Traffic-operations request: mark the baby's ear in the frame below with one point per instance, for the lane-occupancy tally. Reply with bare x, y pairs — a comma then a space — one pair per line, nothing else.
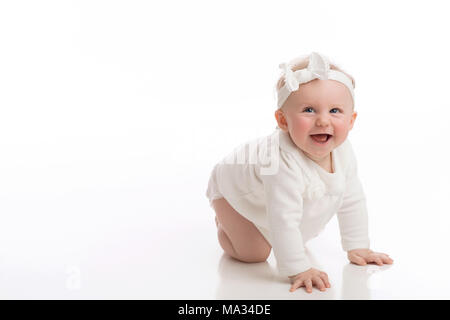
352, 120
281, 120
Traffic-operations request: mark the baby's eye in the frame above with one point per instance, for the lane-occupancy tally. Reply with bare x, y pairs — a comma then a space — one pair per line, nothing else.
335, 110
308, 109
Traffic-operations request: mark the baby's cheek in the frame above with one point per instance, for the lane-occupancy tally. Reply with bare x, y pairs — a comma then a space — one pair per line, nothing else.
301, 126
341, 129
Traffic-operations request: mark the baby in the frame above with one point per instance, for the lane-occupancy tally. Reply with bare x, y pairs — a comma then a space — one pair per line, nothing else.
280, 191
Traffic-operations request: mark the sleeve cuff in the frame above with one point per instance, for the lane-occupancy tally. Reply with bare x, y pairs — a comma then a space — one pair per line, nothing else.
347, 246
295, 268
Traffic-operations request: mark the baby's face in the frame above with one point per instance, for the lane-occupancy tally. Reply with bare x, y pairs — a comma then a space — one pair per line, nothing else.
318, 107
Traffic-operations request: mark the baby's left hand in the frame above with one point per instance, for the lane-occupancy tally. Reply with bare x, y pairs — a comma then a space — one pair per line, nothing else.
363, 256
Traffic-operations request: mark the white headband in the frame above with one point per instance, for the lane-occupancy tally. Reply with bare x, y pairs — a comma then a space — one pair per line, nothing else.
318, 68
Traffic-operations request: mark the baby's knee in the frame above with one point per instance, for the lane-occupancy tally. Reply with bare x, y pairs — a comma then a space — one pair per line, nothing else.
225, 242
248, 255
256, 256
256, 250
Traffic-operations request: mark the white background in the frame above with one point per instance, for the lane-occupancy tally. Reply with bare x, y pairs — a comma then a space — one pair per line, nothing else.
113, 114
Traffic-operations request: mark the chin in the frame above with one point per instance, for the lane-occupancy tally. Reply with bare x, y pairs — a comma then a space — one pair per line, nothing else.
316, 153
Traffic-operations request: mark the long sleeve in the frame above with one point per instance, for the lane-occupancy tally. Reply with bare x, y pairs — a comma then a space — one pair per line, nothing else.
284, 205
352, 215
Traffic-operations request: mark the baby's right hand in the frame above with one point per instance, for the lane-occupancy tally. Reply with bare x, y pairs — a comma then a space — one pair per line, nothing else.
308, 278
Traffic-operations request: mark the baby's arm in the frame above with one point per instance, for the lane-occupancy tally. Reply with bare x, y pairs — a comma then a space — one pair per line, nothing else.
352, 216
353, 222
284, 205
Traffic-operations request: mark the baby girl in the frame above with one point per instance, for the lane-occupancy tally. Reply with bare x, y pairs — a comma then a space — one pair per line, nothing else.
279, 191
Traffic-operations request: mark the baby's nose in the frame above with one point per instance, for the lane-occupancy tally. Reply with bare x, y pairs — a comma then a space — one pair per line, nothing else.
322, 120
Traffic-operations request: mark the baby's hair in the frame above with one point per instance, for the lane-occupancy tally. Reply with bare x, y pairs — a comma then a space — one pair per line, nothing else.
303, 63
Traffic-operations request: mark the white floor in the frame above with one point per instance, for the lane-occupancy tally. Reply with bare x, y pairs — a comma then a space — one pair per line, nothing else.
130, 243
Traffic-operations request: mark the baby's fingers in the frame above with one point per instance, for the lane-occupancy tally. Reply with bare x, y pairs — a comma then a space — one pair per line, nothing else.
376, 259
325, 279
319, 283
297, 284
308, 285
358, 260
387, 259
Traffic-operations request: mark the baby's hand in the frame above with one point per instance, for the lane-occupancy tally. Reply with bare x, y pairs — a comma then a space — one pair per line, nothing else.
363, 256
308, 278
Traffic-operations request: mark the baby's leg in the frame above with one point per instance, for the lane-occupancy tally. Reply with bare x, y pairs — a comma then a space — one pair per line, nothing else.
238, 236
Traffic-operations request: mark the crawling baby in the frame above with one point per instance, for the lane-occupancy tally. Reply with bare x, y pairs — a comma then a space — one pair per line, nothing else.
279, 191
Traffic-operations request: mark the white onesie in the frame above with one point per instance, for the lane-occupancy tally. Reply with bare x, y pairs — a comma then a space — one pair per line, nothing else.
292, 203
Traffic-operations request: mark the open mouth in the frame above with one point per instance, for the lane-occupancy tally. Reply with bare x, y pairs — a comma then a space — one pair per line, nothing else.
321, 138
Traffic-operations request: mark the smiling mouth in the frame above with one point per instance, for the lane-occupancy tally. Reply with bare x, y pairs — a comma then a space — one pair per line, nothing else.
321, 138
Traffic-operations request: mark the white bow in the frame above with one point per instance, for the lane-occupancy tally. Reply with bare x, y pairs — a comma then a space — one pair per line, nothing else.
317, 68
291, 81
